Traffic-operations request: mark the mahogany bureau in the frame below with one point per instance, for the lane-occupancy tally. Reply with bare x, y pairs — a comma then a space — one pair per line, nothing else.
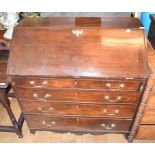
79, 75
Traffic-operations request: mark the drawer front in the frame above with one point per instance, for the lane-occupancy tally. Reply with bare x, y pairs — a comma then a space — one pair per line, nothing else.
110, 85
45, 83
118, 85
146, 132
148, 117
45, 95
78, 96
108, 97
124, 111
77, 124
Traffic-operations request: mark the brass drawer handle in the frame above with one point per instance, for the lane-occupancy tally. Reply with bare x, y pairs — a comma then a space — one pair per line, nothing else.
40, 86
108, 127
122, 85
115, 111
77, 32
45, 82
52, 123
45, 97
32, 82
45, 111
35, 95
109, 85
118, 98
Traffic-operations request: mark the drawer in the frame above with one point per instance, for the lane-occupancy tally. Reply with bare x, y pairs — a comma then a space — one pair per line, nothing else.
45, 83
62, 109
118, 85
148, 117
146, 132
77, 123
78, 96
108, 97
45, 94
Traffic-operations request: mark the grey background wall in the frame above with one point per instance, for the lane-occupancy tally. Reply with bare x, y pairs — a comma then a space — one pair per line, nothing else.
85, 14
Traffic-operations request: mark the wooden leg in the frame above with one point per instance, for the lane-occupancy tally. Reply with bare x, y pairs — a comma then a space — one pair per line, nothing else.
130, 139
32, 132
8, 89
21, 121
126, 136
2, 91
16, 125
8, 92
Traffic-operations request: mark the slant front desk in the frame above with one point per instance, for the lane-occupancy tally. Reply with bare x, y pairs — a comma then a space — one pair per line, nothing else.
79, 75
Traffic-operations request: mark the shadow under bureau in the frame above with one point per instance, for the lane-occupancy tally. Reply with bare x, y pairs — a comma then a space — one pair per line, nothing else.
80, 75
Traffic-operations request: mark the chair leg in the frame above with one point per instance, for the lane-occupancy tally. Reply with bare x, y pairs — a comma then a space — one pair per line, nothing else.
8, 89
6, 103
2, 91
20, 124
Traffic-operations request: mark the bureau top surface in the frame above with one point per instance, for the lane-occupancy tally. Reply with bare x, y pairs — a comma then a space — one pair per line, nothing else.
79, 47
64, 22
